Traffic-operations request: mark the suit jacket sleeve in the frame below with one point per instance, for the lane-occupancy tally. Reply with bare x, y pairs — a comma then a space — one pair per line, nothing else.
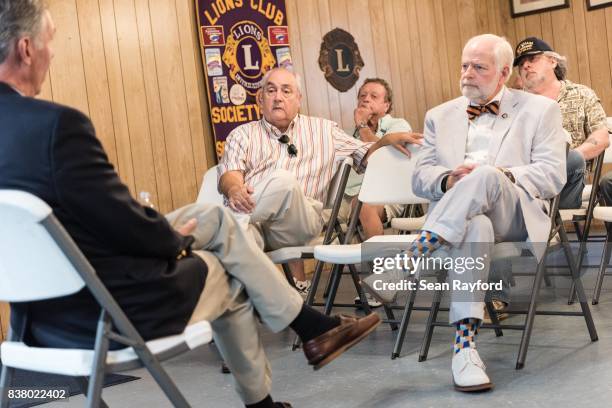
88, 187
428, 174
546, 175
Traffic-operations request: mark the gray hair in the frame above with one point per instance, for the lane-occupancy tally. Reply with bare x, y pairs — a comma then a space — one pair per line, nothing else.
266, 77
18, 18
561, 68
502, 51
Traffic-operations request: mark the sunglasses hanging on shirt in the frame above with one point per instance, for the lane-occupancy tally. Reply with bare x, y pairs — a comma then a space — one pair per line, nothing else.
291, 149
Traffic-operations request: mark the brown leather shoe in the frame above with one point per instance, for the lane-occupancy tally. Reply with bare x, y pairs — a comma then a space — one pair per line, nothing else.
329, 345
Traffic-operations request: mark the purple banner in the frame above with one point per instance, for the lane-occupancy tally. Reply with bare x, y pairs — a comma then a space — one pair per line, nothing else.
240, 40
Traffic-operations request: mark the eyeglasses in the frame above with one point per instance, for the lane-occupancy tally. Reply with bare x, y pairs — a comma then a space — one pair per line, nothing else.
291, 149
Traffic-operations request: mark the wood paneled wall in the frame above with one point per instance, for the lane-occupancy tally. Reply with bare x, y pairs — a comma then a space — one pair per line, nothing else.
4, 320
416, 45
134, 67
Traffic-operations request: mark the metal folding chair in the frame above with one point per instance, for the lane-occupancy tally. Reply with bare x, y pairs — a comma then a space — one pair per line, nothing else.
531, 312
50, 266
388, 180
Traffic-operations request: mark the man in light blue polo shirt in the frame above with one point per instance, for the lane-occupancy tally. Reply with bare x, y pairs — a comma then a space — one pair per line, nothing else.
373, 121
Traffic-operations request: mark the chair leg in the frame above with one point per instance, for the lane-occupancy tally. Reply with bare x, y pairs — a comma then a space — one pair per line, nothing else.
6, 378
526, 337
83, 385
494, 319
575, 271
98, 370
6, 375
390, 315
401, 334
335, 283
429, 327
362, 297
327, 286
605, 260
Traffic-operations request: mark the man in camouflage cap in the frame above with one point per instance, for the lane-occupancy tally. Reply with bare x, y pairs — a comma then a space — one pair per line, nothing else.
543, 72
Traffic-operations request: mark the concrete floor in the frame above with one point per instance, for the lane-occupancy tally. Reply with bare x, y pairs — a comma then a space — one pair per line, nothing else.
564, 368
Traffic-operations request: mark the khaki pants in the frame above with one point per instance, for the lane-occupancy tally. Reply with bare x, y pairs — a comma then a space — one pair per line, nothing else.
241, 279
283, 215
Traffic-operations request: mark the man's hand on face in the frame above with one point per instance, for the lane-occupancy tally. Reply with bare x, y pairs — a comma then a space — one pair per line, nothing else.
460, 172
362, 114
400, 139
240, 199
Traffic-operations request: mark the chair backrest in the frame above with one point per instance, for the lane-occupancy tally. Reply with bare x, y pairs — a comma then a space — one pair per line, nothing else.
33, 263
338, 183
388, 177
208, 192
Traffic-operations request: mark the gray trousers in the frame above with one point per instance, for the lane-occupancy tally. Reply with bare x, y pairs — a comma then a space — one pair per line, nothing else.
283, 215
481, 209
241, 279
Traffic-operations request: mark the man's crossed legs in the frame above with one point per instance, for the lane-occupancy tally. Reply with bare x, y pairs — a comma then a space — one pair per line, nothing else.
241, 280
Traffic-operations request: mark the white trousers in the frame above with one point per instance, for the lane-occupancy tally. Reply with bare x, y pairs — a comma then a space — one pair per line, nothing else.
481, 209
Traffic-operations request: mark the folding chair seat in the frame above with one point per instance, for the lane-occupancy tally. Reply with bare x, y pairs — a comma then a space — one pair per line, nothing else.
531, 312
53, 266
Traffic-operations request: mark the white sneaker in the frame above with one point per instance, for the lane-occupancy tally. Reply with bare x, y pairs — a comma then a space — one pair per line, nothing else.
303, 287
469, 371
371, 301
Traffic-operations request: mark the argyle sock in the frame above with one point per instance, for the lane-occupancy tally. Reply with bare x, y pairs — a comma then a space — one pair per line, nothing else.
424, 245
465, 336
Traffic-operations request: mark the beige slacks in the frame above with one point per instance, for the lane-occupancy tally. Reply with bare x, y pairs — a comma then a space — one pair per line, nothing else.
241, 279
283, 215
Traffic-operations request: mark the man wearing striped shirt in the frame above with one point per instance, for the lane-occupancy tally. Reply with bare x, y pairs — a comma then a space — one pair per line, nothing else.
278, 169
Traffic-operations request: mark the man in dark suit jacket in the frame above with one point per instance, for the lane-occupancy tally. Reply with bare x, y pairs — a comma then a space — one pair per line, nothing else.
51, 151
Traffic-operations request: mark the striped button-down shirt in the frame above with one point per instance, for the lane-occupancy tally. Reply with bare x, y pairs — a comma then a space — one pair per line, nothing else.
254, 148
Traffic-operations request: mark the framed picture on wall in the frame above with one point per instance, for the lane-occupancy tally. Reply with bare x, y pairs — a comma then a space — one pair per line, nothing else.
523, 7
595, 4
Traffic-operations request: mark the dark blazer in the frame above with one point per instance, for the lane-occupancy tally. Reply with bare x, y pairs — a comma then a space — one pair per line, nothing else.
52, 151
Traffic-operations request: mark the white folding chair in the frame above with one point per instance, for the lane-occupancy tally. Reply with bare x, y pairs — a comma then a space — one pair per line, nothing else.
51, 266
590, 199
387, 180
604, 214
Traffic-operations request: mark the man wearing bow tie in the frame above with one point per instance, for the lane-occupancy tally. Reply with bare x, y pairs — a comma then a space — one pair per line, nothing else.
490, 160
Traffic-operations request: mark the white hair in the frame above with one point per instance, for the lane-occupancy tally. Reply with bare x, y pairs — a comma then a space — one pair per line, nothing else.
561, 68
502, 50
298, 78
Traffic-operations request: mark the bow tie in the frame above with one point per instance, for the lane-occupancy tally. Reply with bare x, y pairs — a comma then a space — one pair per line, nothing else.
474, 111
